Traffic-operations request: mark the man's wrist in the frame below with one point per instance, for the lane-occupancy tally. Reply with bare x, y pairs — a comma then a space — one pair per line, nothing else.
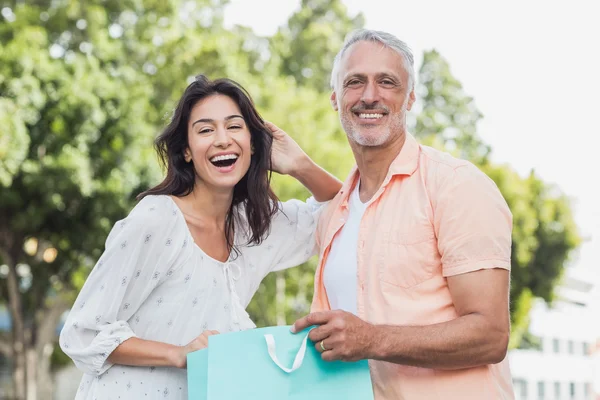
375, 349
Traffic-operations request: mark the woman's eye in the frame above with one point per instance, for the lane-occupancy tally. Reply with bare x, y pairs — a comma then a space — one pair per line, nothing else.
204, 130
235, 127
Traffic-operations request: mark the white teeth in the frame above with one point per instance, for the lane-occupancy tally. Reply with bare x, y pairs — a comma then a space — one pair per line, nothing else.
224, 157
370, 116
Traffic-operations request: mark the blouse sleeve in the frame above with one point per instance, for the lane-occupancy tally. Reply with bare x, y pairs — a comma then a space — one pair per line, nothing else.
141, 251
291, 240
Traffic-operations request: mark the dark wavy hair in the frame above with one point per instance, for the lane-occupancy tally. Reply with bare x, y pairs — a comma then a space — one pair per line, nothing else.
253, 192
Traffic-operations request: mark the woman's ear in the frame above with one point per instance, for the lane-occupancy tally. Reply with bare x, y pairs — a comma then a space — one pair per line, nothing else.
187, 155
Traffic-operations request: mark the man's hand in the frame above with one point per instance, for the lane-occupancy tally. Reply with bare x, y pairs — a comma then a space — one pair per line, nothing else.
339, 336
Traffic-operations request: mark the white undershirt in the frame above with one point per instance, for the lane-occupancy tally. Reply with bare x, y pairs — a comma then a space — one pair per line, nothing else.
341, 266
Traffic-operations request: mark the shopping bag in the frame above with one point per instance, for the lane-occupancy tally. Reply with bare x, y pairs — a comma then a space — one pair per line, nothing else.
197, 374
273, 364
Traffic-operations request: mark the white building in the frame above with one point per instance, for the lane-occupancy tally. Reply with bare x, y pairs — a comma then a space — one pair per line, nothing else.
564, 368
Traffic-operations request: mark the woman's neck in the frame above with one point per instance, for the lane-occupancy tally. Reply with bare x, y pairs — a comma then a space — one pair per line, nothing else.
209, 205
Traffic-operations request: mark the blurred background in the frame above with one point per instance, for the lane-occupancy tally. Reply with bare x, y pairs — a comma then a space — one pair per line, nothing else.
85, 86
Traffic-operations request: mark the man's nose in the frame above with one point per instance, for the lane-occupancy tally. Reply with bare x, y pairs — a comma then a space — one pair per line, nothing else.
370, 93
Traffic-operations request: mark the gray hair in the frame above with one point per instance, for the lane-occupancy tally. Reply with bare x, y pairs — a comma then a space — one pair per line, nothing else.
386, 39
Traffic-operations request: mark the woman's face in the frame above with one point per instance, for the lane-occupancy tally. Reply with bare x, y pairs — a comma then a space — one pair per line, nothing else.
219, 142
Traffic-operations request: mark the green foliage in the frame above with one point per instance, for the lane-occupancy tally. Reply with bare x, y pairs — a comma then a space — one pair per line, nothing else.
87, 146
447, 112
308, 43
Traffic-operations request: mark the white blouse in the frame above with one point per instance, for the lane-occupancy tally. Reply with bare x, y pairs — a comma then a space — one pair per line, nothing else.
155, 283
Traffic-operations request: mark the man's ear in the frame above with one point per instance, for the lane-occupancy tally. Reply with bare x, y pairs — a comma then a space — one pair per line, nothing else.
411, 99
333, 100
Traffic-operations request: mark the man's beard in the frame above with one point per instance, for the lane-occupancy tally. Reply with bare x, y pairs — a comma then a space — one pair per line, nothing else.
353, 131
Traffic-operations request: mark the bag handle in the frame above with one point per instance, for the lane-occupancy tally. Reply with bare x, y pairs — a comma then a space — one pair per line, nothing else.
273, 354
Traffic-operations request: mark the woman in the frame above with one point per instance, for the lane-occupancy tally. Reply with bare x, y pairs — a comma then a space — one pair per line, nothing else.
189, 257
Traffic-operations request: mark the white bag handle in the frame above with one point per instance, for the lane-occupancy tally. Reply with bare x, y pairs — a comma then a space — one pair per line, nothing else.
273, 354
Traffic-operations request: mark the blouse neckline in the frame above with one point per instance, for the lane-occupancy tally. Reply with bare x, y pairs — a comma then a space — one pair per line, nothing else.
189, 232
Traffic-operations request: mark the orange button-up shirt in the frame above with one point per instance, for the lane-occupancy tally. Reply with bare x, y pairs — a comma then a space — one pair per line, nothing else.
434, 216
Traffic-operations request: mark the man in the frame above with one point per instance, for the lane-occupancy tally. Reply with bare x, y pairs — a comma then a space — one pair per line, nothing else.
415, 249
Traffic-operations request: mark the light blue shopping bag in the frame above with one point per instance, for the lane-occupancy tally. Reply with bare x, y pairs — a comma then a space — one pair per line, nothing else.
197, 373
272, 364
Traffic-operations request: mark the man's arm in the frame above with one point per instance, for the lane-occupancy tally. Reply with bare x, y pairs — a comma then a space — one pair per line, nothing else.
479, 336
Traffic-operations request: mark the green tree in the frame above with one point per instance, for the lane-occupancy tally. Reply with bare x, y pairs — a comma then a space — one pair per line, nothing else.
445, 112
84, 88
308, 43
83, 144
544, 232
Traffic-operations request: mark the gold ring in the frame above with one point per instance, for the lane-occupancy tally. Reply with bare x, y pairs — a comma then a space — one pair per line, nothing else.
323, 346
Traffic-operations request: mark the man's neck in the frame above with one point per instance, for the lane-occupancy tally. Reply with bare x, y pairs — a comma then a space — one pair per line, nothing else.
374, 163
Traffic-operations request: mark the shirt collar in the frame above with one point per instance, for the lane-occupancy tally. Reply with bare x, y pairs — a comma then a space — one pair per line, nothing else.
407, 160
405, 163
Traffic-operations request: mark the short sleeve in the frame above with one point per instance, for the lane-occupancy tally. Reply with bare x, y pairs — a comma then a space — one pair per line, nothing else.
141, 251
291, 240
472, 221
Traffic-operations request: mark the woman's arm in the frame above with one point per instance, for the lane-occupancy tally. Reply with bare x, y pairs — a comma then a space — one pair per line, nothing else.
289, 159
319, 182
147, 353
134, 261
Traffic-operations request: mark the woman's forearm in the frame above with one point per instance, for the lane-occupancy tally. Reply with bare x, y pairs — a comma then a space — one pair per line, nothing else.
147, 353
319, 182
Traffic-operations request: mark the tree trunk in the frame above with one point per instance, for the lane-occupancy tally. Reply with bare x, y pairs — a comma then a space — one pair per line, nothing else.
5, 348
44, 346
44, 382
31, 374
18, 330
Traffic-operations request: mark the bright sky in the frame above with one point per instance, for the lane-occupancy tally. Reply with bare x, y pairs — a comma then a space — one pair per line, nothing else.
533, 68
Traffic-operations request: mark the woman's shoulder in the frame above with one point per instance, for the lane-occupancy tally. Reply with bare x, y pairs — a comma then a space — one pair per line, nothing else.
154, 210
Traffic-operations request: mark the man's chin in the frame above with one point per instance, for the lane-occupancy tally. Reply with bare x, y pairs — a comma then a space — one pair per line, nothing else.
372, 139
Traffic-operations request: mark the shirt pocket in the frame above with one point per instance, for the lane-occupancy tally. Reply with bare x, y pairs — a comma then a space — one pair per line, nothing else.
408, 258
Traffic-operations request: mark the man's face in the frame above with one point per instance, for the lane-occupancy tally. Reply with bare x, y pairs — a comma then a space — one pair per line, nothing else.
372, 94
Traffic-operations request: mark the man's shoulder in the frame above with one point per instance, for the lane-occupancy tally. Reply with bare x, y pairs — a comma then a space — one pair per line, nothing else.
444, 160
443, 170
440, 168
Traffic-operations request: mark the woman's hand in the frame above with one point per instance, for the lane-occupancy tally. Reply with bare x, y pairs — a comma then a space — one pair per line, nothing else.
286, 156
201, 342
